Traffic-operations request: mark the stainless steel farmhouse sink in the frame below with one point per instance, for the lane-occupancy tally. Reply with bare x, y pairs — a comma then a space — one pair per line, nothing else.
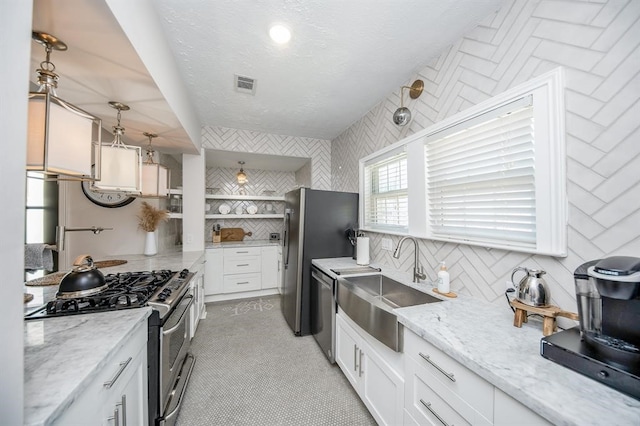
369, 300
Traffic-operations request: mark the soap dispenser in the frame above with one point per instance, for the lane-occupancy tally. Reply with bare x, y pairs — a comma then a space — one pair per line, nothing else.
443, 279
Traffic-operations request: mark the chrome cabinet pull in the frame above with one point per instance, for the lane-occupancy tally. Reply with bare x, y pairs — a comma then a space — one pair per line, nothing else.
242, 282
124, 410
111, 382
428, 359
242, 264
355, 357
428, 406
360, 367
239, 252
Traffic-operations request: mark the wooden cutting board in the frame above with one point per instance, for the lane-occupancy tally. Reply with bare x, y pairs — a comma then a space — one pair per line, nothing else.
233, 234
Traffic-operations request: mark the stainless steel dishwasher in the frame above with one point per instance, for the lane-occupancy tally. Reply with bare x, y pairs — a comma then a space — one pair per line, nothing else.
323, 312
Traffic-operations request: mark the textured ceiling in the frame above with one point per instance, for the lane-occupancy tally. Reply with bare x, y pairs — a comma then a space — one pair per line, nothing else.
344, 56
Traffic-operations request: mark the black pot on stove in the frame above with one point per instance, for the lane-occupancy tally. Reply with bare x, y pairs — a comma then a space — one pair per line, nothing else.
82, 281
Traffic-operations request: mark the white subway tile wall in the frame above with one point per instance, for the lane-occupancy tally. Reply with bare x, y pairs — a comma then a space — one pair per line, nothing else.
598, 43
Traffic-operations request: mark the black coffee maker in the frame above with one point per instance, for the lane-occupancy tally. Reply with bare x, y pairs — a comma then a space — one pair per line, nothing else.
606, 345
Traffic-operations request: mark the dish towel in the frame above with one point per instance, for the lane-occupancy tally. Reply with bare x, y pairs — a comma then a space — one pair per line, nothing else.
38, 256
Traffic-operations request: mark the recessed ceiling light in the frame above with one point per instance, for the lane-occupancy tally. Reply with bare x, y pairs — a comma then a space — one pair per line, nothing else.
280, 34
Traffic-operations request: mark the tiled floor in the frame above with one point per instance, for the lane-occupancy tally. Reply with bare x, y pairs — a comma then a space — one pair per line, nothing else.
251, 370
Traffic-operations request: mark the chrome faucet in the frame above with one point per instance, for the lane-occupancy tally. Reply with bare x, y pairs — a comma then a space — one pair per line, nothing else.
418, 271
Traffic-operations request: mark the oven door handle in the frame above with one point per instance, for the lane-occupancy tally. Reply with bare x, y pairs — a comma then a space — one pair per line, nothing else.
186, 309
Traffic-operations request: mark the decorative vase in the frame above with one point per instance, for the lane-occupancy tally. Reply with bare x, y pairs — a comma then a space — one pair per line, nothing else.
150, 244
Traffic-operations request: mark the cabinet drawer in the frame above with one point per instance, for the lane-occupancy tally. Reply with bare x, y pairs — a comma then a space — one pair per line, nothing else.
242, 264
241, 282
428, 406
452, 375
242, 251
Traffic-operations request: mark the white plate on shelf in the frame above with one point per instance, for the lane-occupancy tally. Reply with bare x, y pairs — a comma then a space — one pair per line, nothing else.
252, 209
224, 209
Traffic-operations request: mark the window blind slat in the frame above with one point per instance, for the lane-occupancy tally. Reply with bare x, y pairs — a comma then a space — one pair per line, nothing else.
386, 203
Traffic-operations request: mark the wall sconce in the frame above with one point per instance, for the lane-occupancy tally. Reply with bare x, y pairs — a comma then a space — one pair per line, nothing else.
121, 164
62, 140
402, 115
156, 178
241, 176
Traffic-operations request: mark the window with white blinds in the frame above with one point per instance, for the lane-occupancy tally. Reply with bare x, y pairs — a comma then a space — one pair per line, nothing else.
386, 202
480, 179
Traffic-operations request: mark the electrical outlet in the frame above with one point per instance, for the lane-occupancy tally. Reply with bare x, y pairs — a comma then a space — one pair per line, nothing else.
386, 244
508, 286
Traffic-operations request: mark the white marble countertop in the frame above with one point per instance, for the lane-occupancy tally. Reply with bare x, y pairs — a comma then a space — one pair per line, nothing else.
244, 243
481, 336
62, 356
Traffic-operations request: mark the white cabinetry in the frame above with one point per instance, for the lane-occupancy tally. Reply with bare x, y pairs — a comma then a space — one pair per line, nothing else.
506, 409
119, 393
270, 265
214, 272
372, 369
197, 289
237, 272
442, 391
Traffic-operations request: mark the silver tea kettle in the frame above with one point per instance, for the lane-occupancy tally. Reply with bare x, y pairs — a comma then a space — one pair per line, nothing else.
532, 288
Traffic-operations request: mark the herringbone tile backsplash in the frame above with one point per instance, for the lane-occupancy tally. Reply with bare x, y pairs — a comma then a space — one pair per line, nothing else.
260, 182
598, 44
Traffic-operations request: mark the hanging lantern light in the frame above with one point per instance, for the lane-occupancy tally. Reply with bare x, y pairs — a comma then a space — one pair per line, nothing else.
241, 176
63, 141
156, 178
121, 164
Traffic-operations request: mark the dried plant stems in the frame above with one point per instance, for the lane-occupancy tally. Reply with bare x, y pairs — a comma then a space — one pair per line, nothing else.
150, 217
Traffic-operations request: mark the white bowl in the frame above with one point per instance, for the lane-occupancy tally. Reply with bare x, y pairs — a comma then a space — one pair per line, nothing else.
224, 209
252, 209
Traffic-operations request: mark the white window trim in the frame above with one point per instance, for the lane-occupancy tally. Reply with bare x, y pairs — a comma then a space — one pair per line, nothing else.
548, 99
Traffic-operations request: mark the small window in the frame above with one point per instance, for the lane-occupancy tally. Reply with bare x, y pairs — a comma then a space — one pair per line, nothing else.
386, 202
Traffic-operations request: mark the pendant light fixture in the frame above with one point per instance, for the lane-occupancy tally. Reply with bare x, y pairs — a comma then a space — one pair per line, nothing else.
121, 164
63, 141
402, 116
155, 177
241, 176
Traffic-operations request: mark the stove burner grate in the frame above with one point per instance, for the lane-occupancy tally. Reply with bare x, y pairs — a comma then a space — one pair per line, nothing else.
124, 290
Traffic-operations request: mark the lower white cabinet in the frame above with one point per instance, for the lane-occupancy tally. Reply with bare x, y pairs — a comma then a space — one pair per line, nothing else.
377, 382
506, 409
197, 289
442, 391
118, 396
241, 271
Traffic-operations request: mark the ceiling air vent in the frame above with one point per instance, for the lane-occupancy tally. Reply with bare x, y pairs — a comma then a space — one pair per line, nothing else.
245, 84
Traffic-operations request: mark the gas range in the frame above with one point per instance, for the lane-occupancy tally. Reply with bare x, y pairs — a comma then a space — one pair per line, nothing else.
161, 290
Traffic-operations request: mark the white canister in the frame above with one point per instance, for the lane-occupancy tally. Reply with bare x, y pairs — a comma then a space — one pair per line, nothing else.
362, 251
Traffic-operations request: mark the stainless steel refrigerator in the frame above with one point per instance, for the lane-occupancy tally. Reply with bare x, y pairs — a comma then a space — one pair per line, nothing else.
314, 228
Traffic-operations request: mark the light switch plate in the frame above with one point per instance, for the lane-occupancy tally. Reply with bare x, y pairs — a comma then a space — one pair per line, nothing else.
386, 244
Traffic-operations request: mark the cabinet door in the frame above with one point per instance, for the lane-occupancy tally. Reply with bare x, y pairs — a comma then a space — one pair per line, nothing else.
129, 400
269, 267
348, 353
506, 409
382, 389
214, 272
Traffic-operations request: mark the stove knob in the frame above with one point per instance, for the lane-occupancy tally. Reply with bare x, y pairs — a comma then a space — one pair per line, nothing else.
162, 297
603, 374
184, 273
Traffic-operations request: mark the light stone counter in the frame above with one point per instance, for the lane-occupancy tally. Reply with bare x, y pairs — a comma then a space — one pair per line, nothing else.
245, 243
63, 356
481, 336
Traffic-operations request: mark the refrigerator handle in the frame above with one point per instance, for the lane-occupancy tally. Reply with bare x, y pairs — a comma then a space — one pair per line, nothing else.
287, 232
